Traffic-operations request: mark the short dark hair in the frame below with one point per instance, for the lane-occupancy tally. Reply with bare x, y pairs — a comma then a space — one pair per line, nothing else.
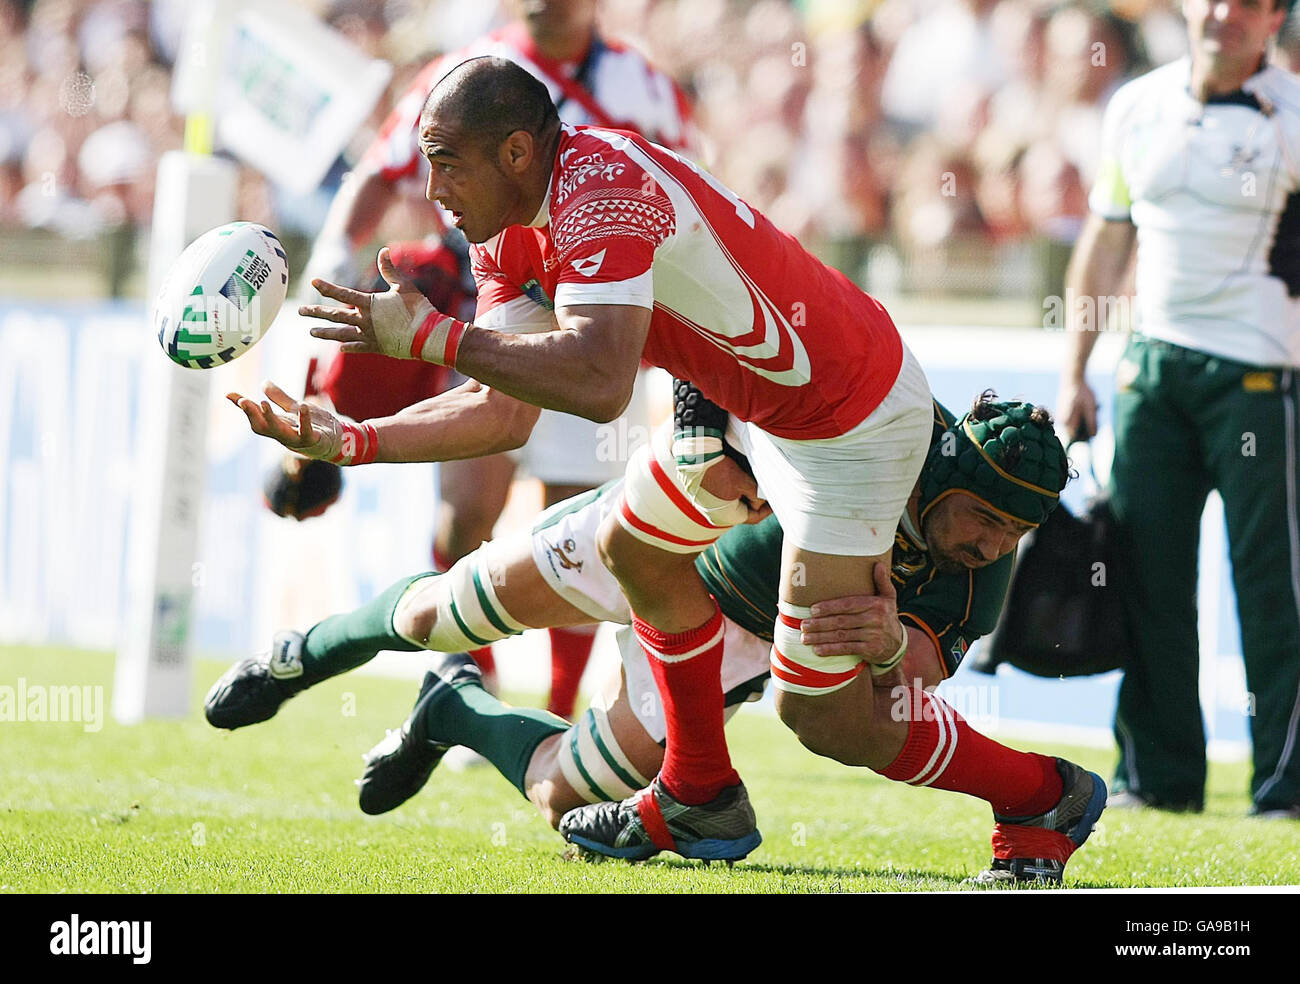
490, 98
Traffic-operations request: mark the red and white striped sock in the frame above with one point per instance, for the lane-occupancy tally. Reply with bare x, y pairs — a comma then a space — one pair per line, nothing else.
687, 667
942, 750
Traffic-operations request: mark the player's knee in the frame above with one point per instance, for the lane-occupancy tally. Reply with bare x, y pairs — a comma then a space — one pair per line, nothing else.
818, 728
549, 802
416, 615
616, 549
808, 685
411, 622
796, 713
455, 611
634, 563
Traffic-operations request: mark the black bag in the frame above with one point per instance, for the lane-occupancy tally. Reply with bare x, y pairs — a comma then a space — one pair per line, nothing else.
1065, 613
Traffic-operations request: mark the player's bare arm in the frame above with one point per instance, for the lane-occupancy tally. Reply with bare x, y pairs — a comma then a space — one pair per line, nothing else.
1097, 269
586, 367
467, 422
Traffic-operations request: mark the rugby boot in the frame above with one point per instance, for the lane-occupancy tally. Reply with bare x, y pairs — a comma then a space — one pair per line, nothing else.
253, 689
1035, 849
724, 829
398, 767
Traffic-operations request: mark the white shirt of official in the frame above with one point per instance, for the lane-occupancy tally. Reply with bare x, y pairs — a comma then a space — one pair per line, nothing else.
1209, 186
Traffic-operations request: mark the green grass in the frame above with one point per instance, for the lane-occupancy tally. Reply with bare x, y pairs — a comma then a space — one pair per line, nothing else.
179, 807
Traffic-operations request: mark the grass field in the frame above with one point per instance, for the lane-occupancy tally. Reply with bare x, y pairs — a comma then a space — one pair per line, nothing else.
179, 807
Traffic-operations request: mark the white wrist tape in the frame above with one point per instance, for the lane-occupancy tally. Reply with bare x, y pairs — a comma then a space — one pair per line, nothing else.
394, 326
343, 442
695, 451
880, 669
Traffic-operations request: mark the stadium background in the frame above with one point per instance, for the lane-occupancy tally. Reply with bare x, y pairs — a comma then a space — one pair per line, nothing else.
938, 152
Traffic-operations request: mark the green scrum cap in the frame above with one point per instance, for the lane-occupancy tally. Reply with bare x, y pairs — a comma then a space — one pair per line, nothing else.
998, 454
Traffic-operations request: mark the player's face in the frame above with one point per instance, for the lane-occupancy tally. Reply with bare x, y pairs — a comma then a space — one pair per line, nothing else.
467, 179
962, 533
1233, 28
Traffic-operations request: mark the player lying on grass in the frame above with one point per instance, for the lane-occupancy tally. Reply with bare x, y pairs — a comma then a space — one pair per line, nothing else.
951, 566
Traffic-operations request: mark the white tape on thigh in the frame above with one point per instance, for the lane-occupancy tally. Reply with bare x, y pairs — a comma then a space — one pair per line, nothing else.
796, 668
469, 614
592, 762
655, 508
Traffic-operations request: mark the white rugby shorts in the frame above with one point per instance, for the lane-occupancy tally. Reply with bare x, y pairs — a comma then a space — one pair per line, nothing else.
565, 449
845, 495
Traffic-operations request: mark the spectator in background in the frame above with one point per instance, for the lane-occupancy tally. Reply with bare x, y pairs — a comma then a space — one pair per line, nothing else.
937, 200
812, 109
115, 167
949, 51
1087, 59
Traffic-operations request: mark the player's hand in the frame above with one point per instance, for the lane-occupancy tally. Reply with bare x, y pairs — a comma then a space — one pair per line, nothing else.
1077, 410
380, 322
309, 430
731, 485
860, 625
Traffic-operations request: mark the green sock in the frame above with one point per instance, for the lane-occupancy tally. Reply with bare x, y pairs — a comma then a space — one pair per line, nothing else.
343, 642
506, 736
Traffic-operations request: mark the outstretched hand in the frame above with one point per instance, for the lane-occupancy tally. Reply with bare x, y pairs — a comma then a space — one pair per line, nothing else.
383, 322
309, 430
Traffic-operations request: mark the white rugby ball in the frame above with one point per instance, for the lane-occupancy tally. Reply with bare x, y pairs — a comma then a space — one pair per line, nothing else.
221, 295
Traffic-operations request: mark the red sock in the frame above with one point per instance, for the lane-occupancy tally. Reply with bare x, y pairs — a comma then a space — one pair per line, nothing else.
945, 752
687, 667
441, 562
570, 650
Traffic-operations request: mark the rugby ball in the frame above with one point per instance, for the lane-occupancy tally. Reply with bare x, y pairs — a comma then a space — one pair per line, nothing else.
221, 295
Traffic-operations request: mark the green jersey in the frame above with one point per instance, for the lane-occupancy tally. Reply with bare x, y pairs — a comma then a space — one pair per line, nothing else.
743, 569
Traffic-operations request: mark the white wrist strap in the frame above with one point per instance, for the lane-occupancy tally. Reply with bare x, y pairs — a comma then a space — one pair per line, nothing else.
880, 669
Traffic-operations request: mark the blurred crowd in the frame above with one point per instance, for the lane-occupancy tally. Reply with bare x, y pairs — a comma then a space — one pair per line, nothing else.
916, 121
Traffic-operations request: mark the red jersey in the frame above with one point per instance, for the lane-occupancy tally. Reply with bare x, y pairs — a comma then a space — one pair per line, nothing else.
761, 326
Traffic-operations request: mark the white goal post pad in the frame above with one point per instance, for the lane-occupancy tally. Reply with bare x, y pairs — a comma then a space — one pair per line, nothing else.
153, 670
